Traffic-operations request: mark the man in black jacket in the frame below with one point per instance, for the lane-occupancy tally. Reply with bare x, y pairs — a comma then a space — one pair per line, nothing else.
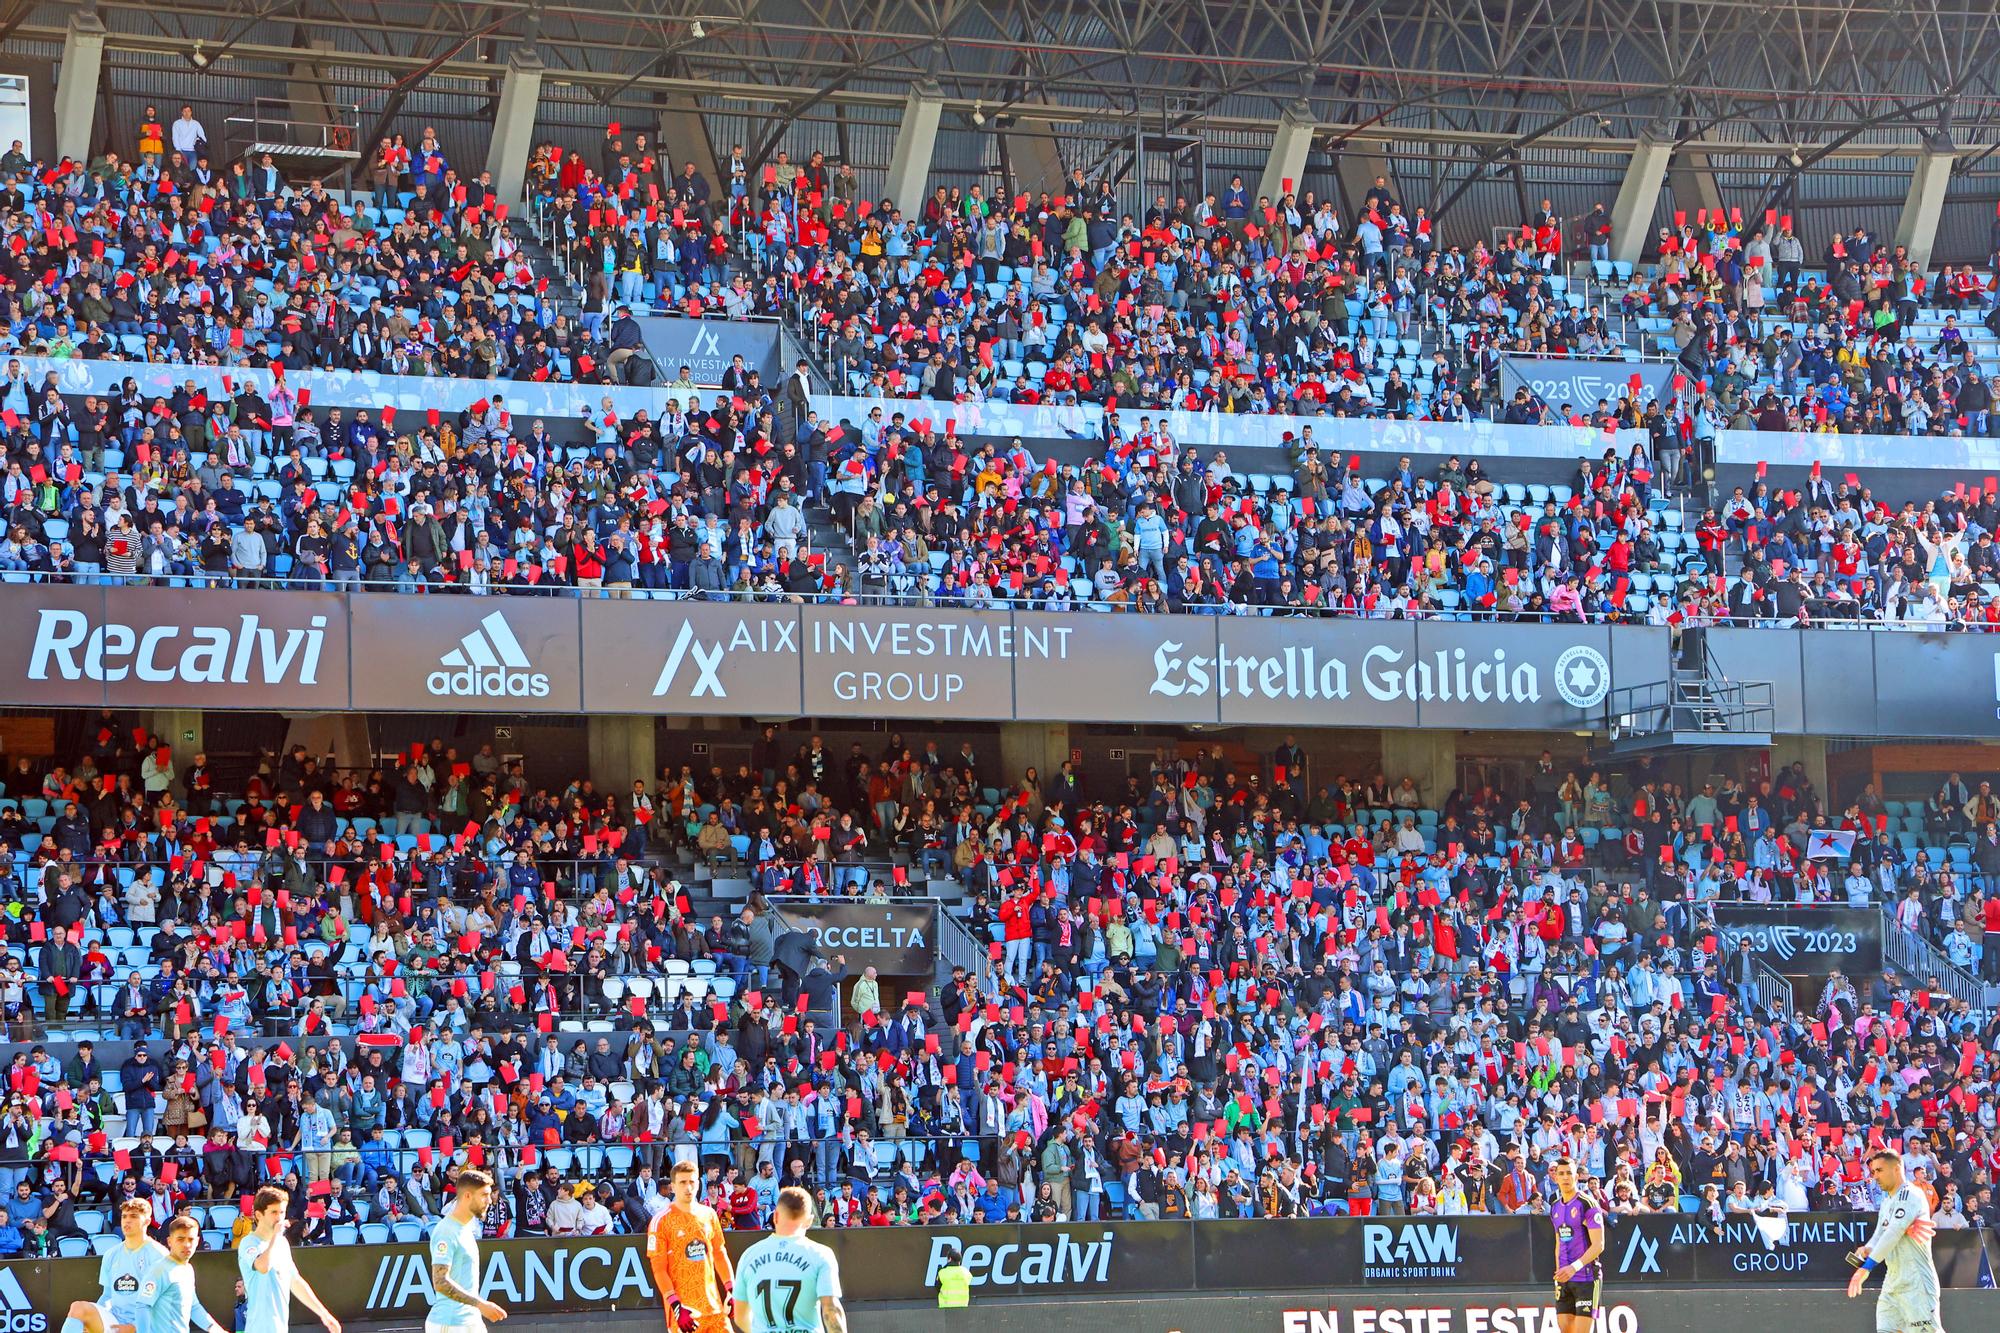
72, 830
141, 1079
626, 341
316, 823
820, 984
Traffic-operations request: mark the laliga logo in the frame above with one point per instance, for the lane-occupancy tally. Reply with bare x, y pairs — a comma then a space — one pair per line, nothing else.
488, 664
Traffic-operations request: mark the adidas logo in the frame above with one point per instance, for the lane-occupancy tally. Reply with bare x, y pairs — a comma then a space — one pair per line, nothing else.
488, 664
17, 1312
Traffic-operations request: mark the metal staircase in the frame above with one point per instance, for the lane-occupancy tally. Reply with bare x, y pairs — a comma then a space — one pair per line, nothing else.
1697, 705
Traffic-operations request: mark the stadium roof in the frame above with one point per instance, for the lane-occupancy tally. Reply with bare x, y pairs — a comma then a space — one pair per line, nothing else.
1495, 75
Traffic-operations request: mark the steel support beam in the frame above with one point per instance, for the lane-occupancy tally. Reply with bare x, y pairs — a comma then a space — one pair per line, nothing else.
514, 127
1923, 208
1078, 81
916, 144
1638, 198
1291, 146
76, 85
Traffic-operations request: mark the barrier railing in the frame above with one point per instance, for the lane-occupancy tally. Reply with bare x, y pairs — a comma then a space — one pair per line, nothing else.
1841, 453
1221, 430
1774, 987
524, 399
317, 144
999, 599
959, 947
1919, 960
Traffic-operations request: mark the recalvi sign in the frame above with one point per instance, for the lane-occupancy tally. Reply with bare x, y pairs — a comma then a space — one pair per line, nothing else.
171, 647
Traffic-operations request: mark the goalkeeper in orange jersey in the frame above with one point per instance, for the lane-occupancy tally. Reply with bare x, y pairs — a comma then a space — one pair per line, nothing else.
690, 1263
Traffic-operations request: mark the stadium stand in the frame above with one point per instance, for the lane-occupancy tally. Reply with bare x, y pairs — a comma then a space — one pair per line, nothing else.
1216, 996
1029, 301
1212, 995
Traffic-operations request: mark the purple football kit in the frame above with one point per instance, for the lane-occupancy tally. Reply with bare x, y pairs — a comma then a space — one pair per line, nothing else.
1574, 1220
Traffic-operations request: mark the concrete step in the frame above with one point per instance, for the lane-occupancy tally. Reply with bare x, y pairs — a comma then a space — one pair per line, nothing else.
732, 887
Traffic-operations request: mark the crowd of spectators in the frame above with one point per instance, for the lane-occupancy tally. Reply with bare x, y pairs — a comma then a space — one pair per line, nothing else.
1281, 306
1227, 990
711, 494
1862, 341
709, 498
1151, 526
176, 257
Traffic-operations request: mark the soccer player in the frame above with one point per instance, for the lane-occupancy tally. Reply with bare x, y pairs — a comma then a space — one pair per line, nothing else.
1901, 1247
174, 1307
457, 1307
690, 1263
790, 1283
124, 1274
270, 1278
1579, 1223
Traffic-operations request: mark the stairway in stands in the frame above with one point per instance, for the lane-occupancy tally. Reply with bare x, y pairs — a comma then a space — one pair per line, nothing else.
543, 262
724, 888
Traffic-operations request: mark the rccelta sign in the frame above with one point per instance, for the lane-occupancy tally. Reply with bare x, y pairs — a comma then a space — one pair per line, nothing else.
897, 940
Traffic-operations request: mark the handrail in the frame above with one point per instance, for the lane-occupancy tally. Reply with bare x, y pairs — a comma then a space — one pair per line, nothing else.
1279, 432
523, 399
1775, 986
996, 600
1912, 953
1726, 707
959, 947
1743, 705
335, 137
